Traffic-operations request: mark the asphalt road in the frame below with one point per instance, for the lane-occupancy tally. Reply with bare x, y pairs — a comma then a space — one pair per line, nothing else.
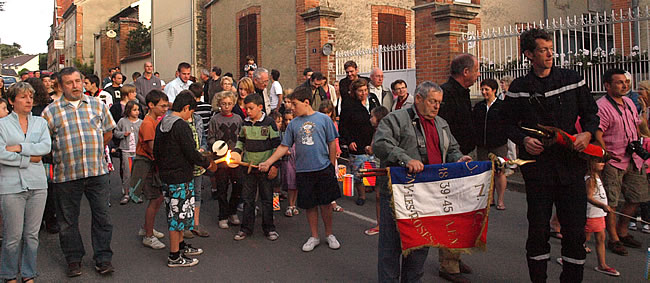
256, 259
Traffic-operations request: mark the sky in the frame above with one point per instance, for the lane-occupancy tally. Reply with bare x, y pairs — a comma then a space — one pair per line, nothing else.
36, 18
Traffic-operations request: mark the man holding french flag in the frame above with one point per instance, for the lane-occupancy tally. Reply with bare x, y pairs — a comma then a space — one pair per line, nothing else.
411, 138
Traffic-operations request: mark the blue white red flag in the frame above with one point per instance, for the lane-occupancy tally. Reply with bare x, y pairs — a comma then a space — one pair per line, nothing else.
446, 205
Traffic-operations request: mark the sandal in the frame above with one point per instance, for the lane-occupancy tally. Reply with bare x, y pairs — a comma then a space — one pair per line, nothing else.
295, 211
125, 199
609, 271
587, 249
289, 212
337, 208
501, 207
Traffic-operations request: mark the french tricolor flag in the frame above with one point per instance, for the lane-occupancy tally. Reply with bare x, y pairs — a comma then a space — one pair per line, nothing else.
446, 205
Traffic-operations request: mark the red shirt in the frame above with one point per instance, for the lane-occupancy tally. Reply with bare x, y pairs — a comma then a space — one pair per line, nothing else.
399, 104
146, 133
433, 141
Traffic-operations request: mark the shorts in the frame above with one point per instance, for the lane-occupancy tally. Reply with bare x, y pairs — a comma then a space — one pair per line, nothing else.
179, 202
357, 162
317, 188
631, 183
144, 179
595, 225
482, 152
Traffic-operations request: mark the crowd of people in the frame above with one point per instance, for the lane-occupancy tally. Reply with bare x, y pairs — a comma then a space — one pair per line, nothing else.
64, 130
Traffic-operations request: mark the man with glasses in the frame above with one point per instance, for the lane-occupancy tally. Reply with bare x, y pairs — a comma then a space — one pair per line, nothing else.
551, 96
402, 97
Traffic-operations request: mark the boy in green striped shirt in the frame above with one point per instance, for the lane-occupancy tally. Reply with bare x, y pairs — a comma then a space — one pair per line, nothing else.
258, 139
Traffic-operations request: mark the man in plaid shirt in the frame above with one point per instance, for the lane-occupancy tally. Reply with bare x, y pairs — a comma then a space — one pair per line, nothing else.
80, 126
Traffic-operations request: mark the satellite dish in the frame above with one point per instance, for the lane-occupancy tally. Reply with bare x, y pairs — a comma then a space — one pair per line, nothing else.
111, 33
220, 148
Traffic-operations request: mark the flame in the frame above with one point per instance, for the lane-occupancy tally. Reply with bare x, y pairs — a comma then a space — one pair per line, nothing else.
228, 158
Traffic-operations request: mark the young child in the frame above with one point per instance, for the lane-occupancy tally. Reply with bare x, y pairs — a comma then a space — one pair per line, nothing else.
257, 140
276, 184
597, 209
3, 108
289, 170
144, 176
128, 94
327, 108
376, 115
196, 124
225, 126
314, 135
250, 64
127, 132
176, 155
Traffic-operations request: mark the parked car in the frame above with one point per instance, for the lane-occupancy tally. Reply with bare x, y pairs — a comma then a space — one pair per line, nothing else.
9, 81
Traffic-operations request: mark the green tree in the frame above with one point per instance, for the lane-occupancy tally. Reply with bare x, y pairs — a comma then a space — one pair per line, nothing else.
9, 51
85, 68
139, 40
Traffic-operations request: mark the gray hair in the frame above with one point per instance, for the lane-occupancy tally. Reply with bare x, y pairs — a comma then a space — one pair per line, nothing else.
258, 73
426, 87
205, 72
17, 88
507, 79
461, 62
374, 71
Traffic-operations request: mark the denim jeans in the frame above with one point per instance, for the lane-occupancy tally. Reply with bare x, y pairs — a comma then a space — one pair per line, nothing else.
253, 183
390, 250
21, 213
68, 198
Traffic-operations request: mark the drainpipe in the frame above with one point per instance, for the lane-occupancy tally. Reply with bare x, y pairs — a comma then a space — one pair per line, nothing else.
546, 10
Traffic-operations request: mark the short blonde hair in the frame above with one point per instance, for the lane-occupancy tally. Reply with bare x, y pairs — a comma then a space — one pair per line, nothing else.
126, 89
226, 79
216, 101
644, 85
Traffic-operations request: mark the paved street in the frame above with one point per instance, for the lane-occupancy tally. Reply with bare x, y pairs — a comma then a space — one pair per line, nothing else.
256, 259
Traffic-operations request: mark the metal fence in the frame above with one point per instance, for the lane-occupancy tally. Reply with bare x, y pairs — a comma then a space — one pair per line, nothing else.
388, 58
590, 44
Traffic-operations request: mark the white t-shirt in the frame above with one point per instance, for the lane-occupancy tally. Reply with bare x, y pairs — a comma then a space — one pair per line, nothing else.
599, 195
276, 91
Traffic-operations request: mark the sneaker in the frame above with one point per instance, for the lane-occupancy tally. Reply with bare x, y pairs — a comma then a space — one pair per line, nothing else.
629, 241
182, 261
332, 242
153, 243
223, 224
200, 231
156, 234
272, 236
289, 212
646, 229
632, 226
240, 236
372, 231
74, 269
310, 244
189, 250
187, 234
234, 219
609, 271
617, 248
104, 268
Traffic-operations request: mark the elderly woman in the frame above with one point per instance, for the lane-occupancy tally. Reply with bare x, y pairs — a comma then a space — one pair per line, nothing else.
490, 136
24, 139
355, 129
244, 88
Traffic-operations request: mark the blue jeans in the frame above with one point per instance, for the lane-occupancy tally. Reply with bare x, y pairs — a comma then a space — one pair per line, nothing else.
252, 183
22, 214
390, 250
68, 199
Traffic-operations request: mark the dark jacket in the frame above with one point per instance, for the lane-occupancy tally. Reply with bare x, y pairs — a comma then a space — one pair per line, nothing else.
175, 151
354, 123
457, 111
315, 100
488, 124
556, 100
344, 86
